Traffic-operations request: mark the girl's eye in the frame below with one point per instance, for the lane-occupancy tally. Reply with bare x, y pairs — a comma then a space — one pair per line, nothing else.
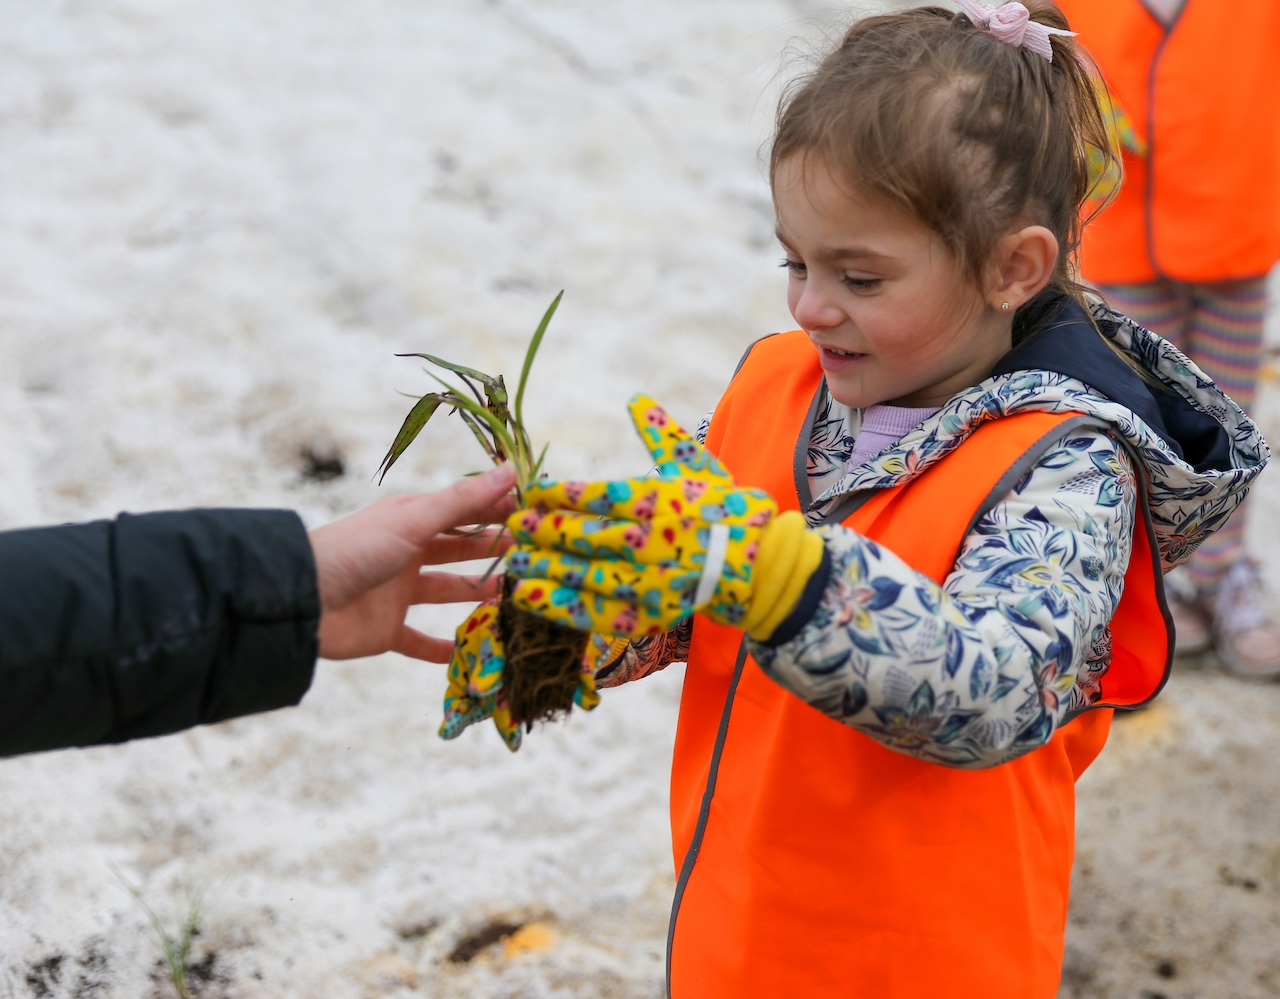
795, 267
862, 284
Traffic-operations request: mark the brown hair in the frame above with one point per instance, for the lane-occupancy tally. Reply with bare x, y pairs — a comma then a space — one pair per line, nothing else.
970, 134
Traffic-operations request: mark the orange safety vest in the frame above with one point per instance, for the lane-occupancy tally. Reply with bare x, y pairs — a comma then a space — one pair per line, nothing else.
1204, 204
812, 860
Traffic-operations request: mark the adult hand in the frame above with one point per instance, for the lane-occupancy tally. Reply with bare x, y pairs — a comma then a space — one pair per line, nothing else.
369, 565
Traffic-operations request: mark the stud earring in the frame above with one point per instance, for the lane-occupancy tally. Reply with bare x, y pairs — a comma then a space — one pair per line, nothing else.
1004, 306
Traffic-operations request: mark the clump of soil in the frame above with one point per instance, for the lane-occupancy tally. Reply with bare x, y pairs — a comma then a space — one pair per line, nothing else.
543, 662
473, 943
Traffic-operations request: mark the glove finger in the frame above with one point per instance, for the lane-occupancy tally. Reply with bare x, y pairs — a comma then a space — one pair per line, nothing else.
630, 499
597, 498
586, 696
594, 539
677, 454
507, 727
674, 450
461, 712
668, 542
475, 678
478, 655
593, 612
483, 620
605, 576
564, 530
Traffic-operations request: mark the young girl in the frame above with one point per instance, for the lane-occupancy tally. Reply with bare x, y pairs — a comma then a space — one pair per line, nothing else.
927, 556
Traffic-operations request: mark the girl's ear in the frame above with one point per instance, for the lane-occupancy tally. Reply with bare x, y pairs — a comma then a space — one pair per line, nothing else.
1025, 262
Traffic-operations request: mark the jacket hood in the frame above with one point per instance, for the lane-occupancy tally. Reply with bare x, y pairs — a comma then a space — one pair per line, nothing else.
1195, 448
1066, 342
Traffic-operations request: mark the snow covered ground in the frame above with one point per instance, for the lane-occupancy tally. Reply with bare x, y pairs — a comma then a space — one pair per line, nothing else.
218, 225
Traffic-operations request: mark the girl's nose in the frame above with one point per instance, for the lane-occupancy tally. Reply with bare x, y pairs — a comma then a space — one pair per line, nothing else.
813, 307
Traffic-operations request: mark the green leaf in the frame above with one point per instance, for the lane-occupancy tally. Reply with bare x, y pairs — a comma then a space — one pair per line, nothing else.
496, 427
422, 411
474, 426
537, 466
534, 344
525, 450
488, 381
496, 399
477, 409
480, 376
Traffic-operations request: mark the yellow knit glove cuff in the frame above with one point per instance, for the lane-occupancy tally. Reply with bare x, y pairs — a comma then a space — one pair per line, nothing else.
788, 556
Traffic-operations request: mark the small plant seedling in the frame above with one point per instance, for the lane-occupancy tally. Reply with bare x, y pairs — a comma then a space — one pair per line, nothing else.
483, 407
542, 659
175, 947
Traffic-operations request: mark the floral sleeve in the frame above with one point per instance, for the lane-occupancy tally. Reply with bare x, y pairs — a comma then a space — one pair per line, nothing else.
985, 667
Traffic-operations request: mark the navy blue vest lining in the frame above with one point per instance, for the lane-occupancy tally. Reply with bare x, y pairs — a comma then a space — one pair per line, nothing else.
1060, 337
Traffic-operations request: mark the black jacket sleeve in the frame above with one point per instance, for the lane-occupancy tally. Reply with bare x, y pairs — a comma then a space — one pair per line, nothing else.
149, 624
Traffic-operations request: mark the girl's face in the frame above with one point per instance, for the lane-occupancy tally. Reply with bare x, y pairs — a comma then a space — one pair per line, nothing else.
892, 316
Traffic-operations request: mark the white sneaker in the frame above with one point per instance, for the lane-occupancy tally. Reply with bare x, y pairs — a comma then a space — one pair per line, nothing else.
1248, 636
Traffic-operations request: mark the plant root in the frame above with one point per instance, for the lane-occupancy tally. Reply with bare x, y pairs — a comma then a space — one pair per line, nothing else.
543, 662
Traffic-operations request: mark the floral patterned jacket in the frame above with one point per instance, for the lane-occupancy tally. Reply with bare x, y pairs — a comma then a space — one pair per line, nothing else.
1015, 642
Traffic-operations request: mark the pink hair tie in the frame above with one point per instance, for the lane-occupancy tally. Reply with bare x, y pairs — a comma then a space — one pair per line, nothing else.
1012, 25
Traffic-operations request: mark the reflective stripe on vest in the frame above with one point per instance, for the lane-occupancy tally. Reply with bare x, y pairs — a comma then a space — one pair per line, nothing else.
815, 862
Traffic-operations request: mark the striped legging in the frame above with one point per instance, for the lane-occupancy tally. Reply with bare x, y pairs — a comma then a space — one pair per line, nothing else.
1219, 326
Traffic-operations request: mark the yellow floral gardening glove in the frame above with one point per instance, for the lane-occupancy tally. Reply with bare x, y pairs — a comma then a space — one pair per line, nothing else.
1105, 175
632, 557
475, 678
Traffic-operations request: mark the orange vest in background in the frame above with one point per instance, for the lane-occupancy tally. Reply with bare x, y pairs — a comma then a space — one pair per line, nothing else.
1203, 205
814, 862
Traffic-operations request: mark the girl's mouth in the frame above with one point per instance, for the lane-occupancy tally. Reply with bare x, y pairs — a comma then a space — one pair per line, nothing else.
833, 357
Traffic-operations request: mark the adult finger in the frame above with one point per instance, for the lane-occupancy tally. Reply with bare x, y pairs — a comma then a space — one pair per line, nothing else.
417, 645
454, 588
485, 543
458, 504
497, 512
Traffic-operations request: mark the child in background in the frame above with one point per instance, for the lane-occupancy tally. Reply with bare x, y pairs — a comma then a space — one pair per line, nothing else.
926, 556
1186, 245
